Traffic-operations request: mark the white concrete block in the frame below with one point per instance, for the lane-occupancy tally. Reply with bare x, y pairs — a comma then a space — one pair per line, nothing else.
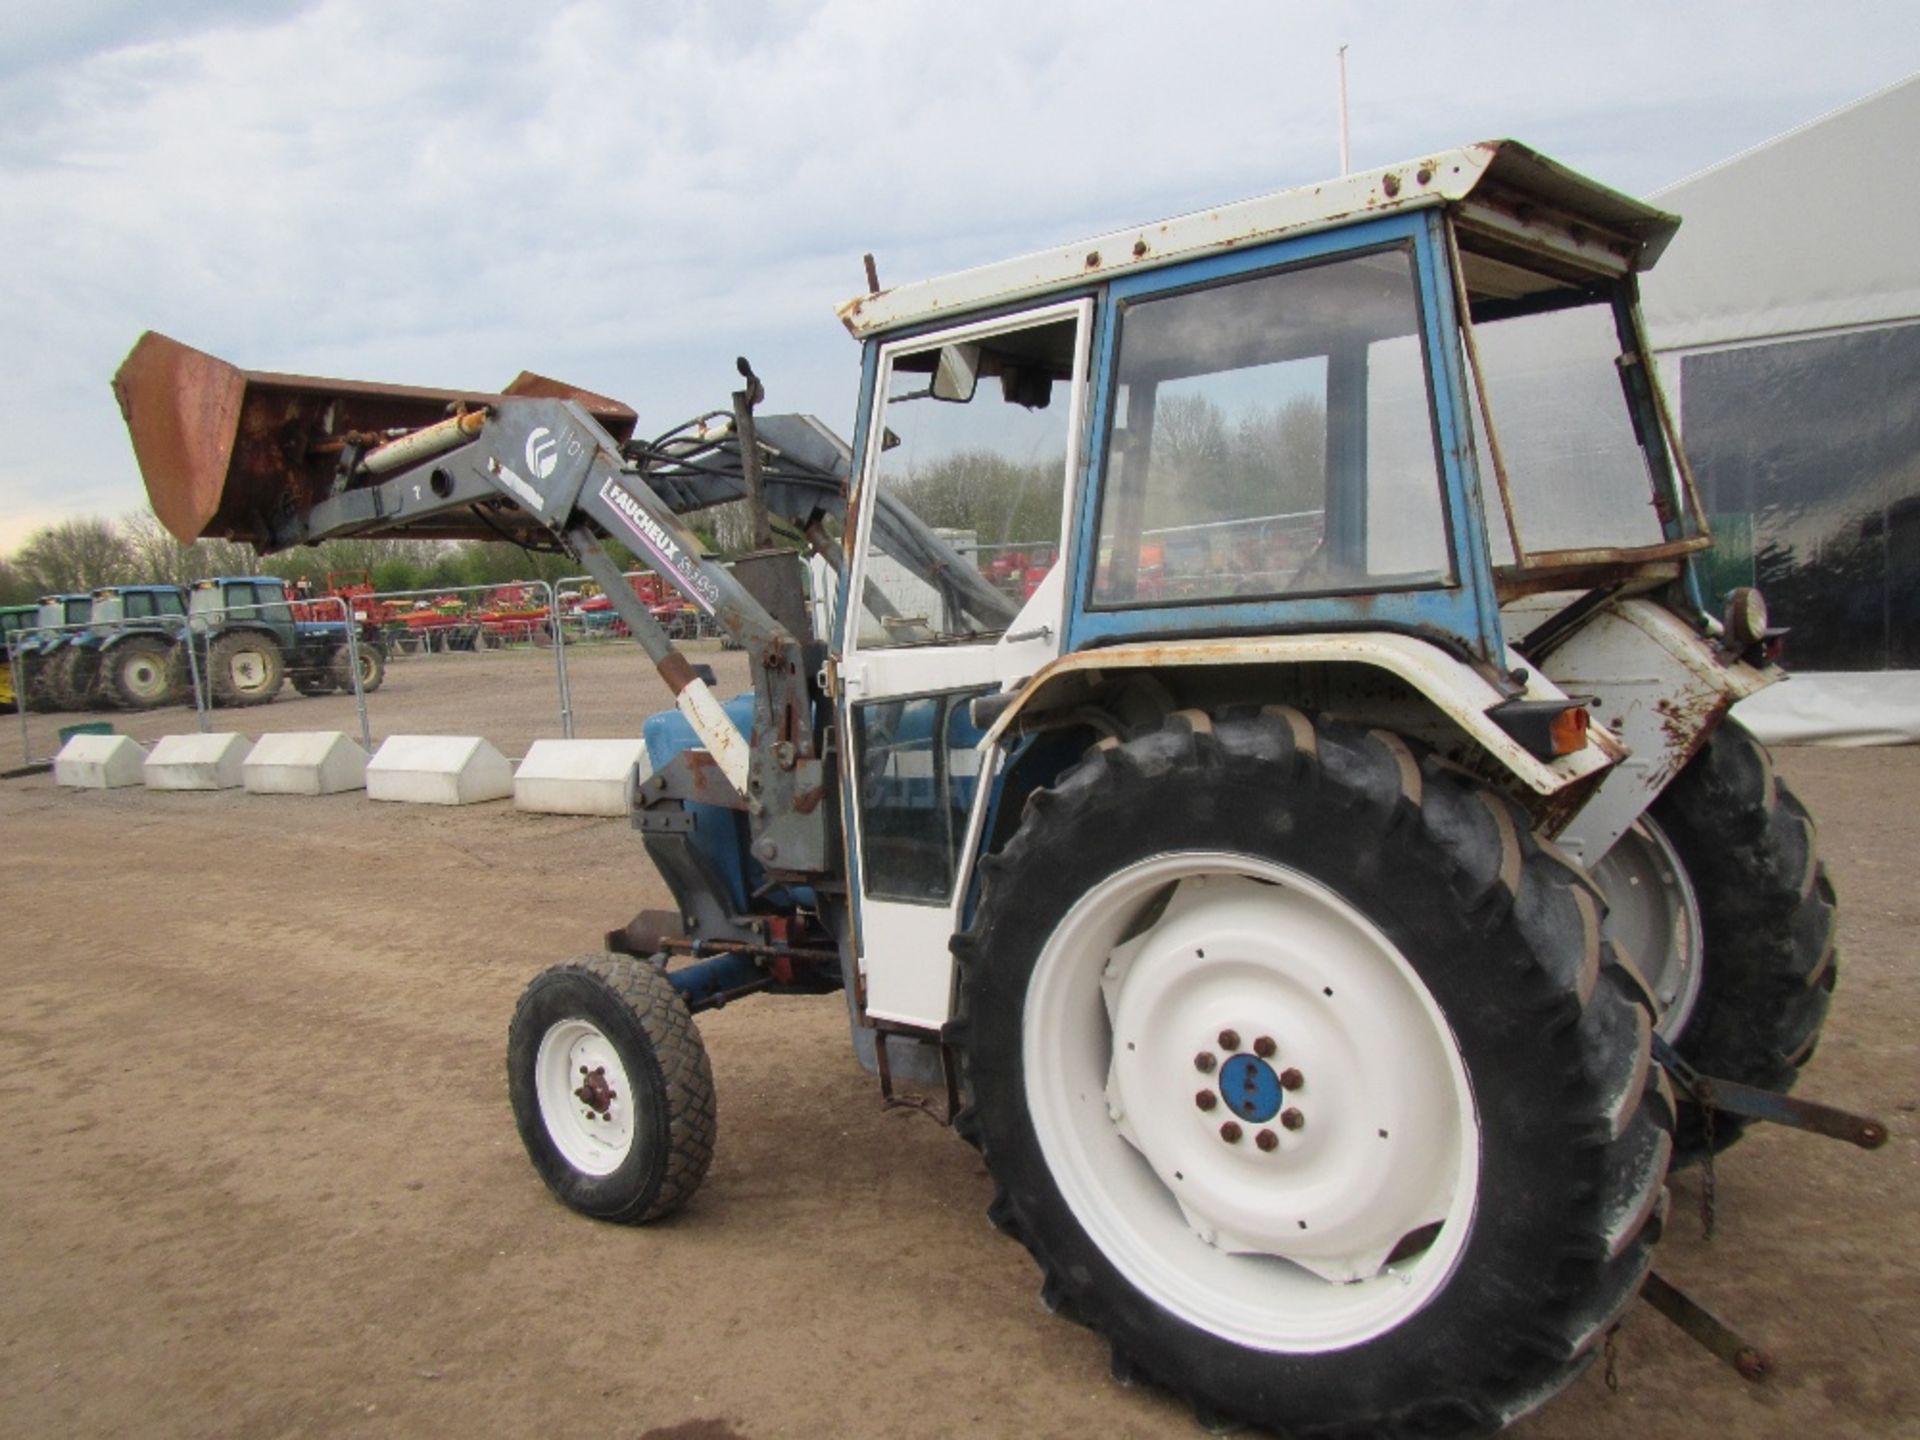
579, 777
99, 762
438, 770
197, 762
305, 762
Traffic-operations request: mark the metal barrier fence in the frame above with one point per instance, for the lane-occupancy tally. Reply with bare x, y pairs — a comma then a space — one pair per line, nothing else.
196, 635
201, 631
552, 625
468, 628
17, 645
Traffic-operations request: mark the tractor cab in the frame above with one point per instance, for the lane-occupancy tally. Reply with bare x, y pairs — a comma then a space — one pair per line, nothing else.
1307, 442
130, 604
253, 600
1390, 402
56, 611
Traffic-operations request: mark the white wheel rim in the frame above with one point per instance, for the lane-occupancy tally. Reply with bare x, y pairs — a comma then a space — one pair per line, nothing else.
586, 1100
1286, 1249
249, 669
144, 676
1653, 915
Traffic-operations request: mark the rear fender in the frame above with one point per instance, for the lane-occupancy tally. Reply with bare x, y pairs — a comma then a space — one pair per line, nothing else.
1663, 688
1379, 678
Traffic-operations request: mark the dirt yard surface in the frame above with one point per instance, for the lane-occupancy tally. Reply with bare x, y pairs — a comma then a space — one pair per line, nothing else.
258, 1176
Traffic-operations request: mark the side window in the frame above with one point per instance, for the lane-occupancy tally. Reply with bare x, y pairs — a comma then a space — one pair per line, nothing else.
970, 484
140, 605
919, 769
170, 603
274, 599
1273, 435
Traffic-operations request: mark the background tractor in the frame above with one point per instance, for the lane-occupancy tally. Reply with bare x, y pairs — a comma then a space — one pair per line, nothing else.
124, 656
246, 628
1320, 876
42, 644
14, 620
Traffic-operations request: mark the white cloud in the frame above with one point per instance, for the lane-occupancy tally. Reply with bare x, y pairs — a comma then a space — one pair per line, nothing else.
627, 197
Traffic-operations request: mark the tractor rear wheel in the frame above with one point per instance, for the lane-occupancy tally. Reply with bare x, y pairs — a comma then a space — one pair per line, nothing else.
70, 680
1764, 913
246, 668
611, 1089
373, 668
35, 677
1317, 1093
140, 673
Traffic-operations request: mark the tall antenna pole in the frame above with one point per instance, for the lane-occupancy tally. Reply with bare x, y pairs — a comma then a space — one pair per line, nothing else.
1346, 154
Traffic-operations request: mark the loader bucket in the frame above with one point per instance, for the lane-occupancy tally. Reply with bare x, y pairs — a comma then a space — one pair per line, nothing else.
225, 451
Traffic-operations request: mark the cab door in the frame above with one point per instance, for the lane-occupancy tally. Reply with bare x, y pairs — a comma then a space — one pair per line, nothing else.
956, 588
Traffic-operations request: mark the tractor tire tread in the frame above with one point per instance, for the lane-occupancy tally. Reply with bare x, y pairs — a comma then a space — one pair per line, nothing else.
1767, 916
646, 996
1615, 1114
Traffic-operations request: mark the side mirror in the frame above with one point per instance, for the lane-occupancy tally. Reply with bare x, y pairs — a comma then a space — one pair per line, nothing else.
956, 373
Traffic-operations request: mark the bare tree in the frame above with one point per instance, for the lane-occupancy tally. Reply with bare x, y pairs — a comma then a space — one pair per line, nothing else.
73, 555
156, 557
15, 588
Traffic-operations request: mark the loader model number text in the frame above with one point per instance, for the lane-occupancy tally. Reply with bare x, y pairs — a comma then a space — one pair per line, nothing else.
661, 545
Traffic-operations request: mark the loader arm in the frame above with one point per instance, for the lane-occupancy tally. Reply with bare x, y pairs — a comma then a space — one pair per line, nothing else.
514, 466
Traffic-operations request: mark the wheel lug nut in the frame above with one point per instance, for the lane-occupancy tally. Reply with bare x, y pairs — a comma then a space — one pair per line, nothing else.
1229, 1039
1204, 1062
1266, 1139
1264, 1047
1292, 1118
1230, 1132
1291, 1079
1206, 1100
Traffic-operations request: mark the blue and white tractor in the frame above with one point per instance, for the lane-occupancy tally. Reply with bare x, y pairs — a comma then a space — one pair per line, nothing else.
1268, 778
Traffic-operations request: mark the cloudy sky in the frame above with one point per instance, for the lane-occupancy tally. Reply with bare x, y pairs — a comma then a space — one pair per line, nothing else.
628, 195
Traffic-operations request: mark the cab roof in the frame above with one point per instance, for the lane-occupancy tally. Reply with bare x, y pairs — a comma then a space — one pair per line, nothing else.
1514, 198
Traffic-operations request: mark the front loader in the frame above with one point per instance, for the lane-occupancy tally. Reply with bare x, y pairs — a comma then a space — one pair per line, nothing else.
1268, 779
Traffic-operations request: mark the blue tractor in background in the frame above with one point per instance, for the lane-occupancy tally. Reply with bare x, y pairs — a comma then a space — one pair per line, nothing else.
1267, 772
125, 655
245, 627
44, 642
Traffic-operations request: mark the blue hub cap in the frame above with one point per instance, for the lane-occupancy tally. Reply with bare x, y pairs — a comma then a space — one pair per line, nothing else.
1250, 1088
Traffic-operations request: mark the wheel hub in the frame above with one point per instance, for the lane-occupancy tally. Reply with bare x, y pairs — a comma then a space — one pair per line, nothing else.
1251, 1088
584, 1096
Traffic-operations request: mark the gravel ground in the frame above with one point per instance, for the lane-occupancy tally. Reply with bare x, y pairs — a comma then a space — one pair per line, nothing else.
260, 1178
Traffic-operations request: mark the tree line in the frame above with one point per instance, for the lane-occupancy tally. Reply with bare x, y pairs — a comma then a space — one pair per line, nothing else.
88, 552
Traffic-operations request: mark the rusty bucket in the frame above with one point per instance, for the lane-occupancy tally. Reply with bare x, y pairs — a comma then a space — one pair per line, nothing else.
226, 452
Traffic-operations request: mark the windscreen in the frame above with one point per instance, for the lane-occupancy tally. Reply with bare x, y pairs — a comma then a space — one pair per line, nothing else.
1273, 435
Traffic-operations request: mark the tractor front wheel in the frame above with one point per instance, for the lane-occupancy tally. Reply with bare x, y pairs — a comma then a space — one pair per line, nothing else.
611, 1089
1308, 1079
373, 668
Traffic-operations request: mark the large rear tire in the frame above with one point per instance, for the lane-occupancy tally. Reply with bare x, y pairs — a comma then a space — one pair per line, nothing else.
141, 674
1462, 1190
246, 668
611, 1089
71, 679
1766, 916
36, 677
